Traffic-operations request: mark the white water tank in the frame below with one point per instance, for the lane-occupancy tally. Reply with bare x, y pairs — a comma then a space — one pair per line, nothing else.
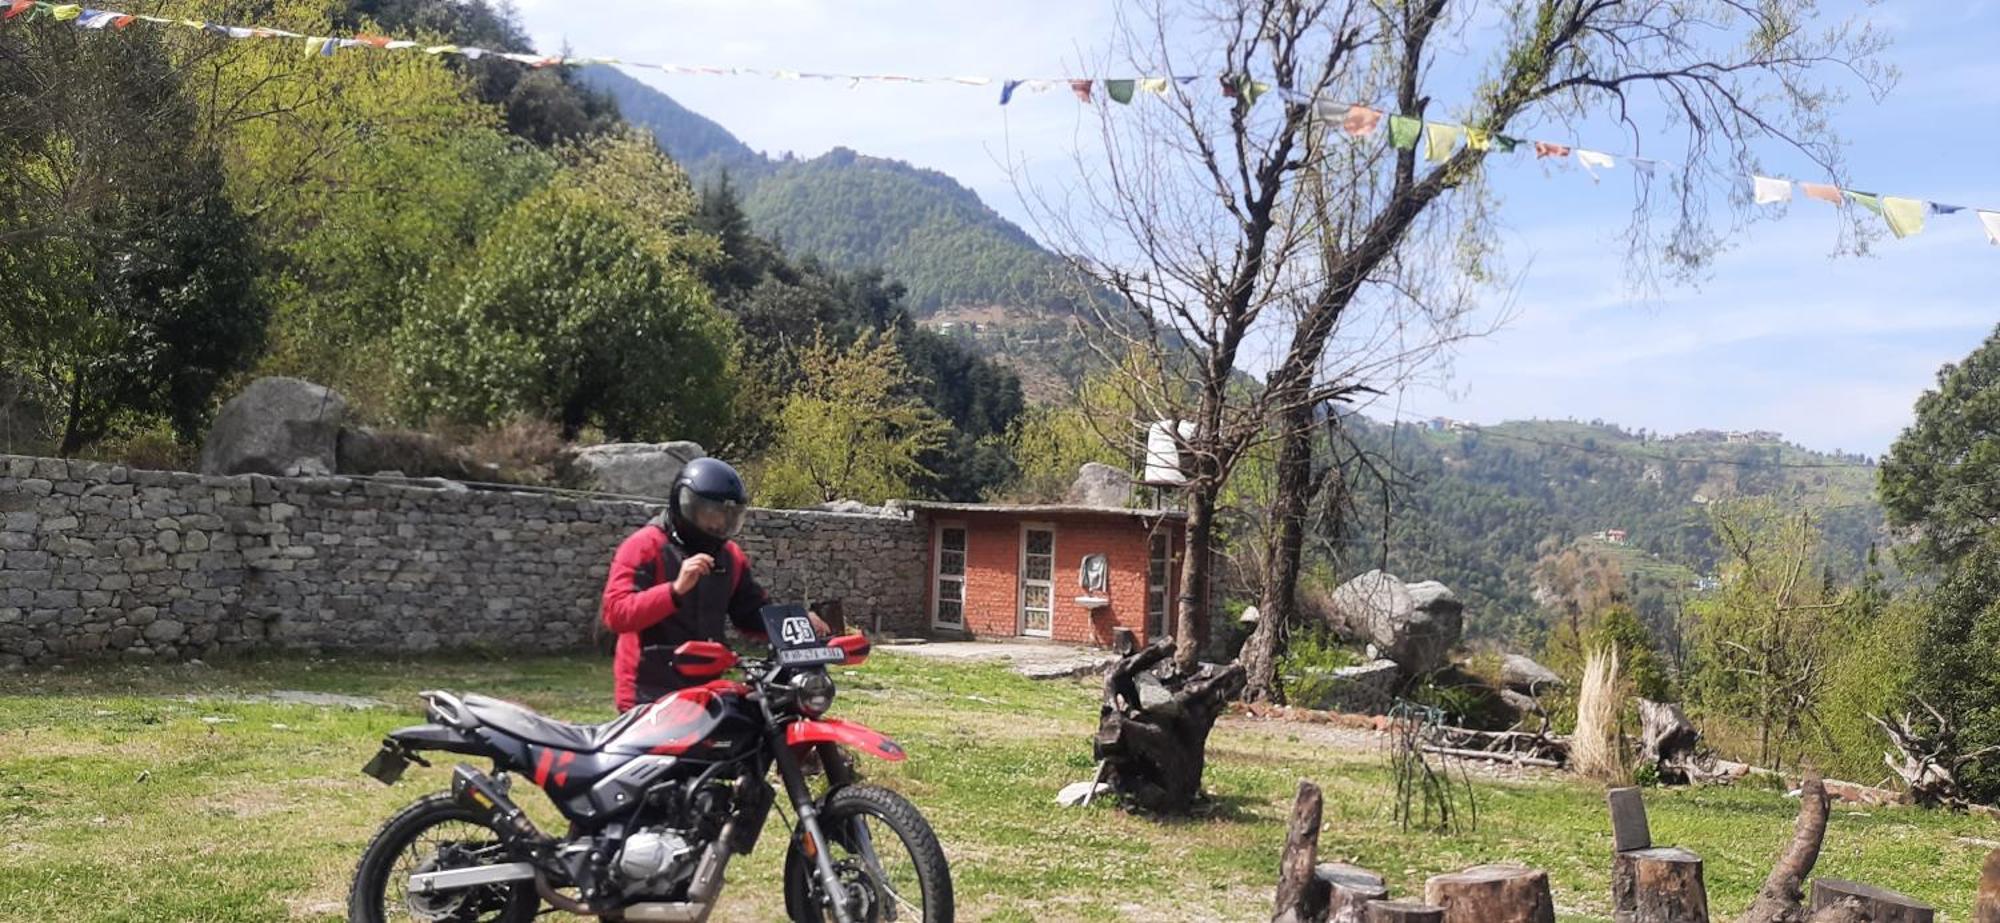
1163, 454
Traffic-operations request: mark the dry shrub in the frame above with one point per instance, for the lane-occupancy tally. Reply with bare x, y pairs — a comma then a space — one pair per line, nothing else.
523, 450
1597, 749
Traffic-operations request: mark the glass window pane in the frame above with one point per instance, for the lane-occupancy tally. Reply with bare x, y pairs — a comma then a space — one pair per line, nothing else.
951, 590
1037, 597
951, 562
1038, 568
1041, 541
950, 612
1159, 546
1156, 601
1156, 574
954, 539
1037, 620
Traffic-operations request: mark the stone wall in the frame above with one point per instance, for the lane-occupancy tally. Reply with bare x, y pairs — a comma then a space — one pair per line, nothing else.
100, 560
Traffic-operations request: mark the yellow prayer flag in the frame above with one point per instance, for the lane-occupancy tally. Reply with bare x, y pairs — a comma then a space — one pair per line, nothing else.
1153, 84
66, 12
1441, 140
1906, 216
1478, 139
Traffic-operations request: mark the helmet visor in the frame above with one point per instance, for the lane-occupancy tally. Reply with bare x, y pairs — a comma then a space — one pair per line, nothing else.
718, 519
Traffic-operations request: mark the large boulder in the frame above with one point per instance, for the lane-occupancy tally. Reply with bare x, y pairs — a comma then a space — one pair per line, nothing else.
1414, 624
1367, 689
637, 469
1523, 674
1100, 485
277, 426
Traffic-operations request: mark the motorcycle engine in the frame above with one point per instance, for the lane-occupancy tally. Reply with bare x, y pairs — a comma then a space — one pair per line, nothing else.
656, 858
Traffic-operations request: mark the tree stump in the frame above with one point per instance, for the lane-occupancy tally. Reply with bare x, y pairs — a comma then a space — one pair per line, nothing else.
1301, 898
1987, 910
1403, 912
1778, 901
1154, 753
1349, 891
1878, 905
1492, 894
1658, 885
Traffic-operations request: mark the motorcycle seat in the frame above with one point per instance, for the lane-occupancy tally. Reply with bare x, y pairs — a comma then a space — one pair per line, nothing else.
521, 722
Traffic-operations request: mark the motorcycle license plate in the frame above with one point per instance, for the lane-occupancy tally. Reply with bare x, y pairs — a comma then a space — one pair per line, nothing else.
794, 640
387, 766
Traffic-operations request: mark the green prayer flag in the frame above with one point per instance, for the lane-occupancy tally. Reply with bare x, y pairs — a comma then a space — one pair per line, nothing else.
1906, 216
1120, 90
1441, 140
1867, 200
1505, 144
1403, 132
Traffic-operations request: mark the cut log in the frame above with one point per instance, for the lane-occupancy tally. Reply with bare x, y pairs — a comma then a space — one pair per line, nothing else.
1779, 900
1301, 896
1987, 909
1658, 885
1877, 905
1350, 889
1403, 912
1629, 830
1667, 740
1154, 752
1492, 894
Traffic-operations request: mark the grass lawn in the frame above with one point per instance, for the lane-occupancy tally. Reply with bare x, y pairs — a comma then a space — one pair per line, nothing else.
172, 793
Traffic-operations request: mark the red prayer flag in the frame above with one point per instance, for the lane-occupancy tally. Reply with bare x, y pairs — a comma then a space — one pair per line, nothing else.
378, 41
1822, 192
19, 7
1546, 149
122, 21
1360, 120
1081, 88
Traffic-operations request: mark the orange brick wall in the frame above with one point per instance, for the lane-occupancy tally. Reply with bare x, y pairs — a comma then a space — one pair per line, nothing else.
993, 561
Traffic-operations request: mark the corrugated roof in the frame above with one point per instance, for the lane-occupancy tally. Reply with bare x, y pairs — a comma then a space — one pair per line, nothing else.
1039, 509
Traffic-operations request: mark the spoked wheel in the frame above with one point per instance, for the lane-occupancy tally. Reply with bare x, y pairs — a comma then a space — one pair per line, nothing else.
432, 835
889, 862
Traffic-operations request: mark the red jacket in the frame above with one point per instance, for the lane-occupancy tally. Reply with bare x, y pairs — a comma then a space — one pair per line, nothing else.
651, 620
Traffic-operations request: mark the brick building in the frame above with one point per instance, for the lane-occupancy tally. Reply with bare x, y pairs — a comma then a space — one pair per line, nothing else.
1068, 573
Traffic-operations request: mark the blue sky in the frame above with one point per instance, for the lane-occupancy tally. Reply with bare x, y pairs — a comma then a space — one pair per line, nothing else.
1780, 335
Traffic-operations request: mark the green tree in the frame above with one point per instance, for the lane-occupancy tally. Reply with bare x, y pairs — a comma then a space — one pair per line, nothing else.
129, 272
852, 431
583, 306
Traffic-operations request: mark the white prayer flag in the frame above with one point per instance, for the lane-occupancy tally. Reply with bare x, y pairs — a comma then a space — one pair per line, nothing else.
1992, 222
1772, 191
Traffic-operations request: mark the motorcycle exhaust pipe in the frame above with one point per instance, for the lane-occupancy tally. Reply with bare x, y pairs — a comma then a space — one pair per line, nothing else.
477, 791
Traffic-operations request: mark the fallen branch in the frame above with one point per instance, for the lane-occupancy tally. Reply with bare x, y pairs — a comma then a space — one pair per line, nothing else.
1492, 756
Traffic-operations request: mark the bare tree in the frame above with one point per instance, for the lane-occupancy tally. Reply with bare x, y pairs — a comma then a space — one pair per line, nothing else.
1236, 234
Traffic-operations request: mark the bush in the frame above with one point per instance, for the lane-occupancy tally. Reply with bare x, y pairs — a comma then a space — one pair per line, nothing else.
1306, 668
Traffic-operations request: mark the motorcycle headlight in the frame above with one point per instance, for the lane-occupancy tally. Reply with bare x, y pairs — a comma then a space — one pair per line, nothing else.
814, 692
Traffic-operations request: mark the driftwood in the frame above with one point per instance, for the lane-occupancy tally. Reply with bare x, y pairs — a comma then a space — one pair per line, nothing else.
1299, 898
1492, 894
1525, 747
1669, 742
1929, 762
1154, 752
1491, 756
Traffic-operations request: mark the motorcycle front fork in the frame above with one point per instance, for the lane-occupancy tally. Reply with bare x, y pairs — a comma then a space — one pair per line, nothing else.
808, 812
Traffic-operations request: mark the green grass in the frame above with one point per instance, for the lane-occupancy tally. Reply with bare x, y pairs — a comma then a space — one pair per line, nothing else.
119, 801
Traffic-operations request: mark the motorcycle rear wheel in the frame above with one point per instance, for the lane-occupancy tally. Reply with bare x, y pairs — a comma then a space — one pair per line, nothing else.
911, 882
415, 839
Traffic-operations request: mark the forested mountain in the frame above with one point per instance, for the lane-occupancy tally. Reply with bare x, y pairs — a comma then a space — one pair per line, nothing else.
1481, 507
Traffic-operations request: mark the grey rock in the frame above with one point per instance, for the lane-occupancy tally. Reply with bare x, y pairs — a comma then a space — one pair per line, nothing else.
165, 630
1368, 689
1416, 625
1523, 674
1099, 484
635, 469
277, 426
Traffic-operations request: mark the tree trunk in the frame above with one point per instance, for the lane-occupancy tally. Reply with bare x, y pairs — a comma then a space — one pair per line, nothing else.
1192, 634
1779, 900
1403, 912
1350, 890
1662, 885
1987, 910
1877, 905
1667, 740
1278, 610
1492, 894
73, 438
1301, 897
1154, 752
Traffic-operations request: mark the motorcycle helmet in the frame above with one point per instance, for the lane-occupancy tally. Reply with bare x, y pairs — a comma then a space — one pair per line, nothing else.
707, 504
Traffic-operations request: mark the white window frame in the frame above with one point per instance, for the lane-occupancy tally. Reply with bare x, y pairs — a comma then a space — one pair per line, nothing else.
1021, 580
1165, 588
938, 576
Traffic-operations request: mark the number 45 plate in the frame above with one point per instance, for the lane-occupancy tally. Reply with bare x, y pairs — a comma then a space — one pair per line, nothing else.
794, 640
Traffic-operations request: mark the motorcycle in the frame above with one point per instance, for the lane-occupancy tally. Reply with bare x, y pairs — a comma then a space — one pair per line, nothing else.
658, 801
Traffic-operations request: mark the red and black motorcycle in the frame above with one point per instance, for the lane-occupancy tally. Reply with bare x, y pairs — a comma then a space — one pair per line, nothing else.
657, 801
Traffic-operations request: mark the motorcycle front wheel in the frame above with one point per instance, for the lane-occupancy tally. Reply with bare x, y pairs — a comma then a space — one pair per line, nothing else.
434, 834
889, 862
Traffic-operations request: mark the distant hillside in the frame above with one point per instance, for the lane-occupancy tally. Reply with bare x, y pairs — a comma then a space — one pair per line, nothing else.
1488, 502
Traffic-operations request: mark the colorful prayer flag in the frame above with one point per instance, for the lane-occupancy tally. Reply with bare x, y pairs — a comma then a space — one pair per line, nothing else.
1120, 90
1906, 216
1939, 208
1821, 191
1643, 164
1991, 220
1228, 87
1478, 139
1251, 89
1007, 91
1082, 90
1595, 160
66, 12
1360, 121
1768, 191
18, 7
1506, 144
1154, 85
1549, 149
1441, 140
1403, 132
1867, 200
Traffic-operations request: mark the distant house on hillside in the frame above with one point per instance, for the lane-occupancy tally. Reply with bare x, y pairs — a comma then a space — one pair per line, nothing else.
1610, 536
